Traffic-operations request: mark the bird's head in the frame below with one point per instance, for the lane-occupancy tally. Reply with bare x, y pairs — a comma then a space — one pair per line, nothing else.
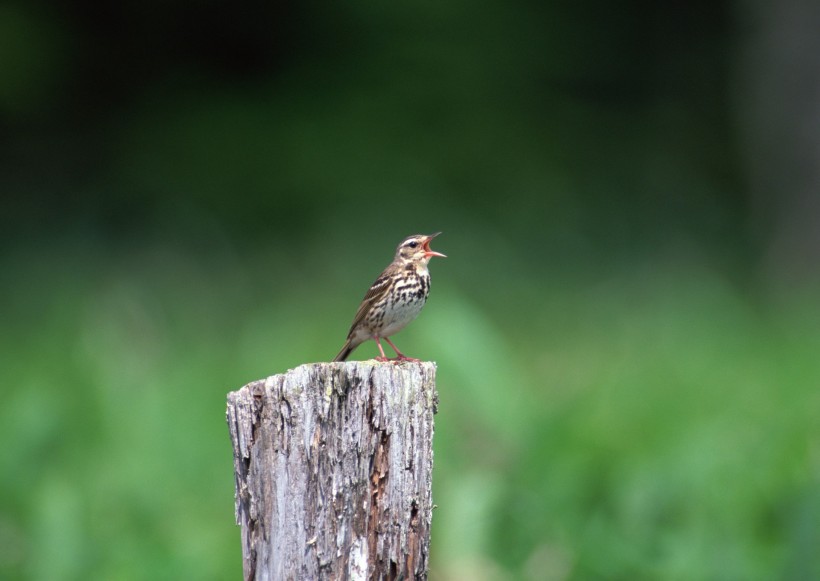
416, 249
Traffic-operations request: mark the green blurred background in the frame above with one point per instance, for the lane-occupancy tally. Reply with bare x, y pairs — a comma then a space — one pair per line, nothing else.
196, 195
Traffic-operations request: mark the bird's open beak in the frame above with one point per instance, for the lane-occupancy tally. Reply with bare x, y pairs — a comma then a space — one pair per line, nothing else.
426, 245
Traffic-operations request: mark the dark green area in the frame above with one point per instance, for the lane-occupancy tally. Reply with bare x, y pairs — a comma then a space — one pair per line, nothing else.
197, 196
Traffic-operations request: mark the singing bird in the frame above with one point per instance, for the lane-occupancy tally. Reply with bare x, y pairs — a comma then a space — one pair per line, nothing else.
394, 299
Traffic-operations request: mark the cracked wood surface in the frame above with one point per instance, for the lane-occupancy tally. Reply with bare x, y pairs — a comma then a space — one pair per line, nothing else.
333, 468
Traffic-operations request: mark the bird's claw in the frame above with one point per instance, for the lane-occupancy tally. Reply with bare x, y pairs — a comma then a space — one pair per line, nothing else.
397, 359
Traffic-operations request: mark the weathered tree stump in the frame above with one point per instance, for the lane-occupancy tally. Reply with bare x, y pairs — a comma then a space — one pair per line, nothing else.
333, 465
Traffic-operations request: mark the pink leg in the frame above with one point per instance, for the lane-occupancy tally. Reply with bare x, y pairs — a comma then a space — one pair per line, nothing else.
401, 356
381, 350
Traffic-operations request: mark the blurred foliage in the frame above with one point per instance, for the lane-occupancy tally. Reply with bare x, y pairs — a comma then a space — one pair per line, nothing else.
655, 424
197, 196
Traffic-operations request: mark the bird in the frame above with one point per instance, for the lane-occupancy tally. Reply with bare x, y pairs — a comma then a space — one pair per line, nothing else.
394, 299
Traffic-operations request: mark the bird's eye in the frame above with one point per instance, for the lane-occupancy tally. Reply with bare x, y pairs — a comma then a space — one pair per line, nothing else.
412, 244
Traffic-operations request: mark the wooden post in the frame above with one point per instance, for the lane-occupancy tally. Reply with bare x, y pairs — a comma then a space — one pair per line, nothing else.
333, 465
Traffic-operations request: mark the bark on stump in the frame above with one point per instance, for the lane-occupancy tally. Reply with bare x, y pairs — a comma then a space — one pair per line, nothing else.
333, 465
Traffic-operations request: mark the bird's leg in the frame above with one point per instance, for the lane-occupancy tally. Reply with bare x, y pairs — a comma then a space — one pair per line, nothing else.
399, 355
381, 350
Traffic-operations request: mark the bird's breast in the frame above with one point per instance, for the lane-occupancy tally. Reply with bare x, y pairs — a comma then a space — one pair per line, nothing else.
402, 304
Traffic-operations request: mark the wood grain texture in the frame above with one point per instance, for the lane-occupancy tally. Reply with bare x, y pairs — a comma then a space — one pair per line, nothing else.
333, 466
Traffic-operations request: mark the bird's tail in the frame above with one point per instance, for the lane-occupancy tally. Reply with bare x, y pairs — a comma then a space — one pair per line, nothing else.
347, 349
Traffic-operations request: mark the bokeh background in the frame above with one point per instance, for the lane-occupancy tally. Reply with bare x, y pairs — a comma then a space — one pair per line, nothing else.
627, 328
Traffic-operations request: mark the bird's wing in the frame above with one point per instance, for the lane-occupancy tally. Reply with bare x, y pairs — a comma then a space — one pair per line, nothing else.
376, 292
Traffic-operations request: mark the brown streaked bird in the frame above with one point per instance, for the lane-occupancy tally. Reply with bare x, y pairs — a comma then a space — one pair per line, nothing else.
394, 299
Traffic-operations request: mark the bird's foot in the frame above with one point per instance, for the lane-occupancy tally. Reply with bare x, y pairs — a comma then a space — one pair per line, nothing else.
399, 358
